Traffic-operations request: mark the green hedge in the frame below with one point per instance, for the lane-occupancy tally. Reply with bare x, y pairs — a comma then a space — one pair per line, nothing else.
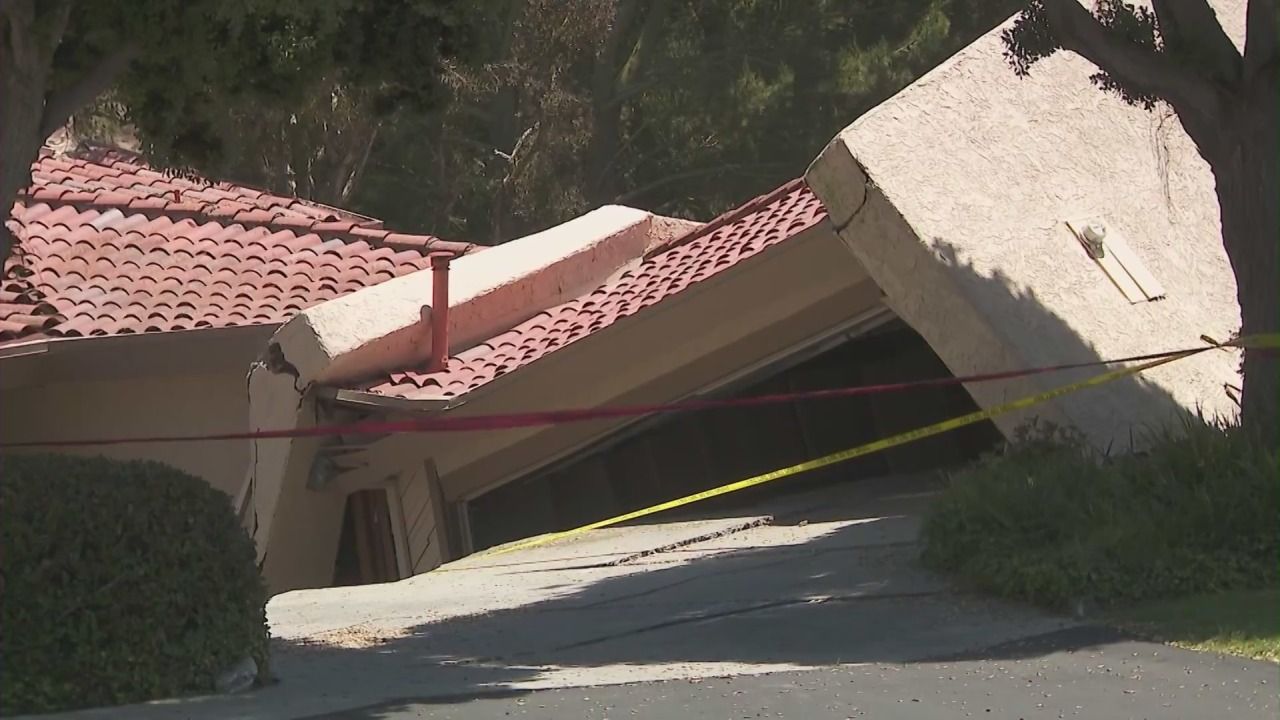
122, 582
1050, 521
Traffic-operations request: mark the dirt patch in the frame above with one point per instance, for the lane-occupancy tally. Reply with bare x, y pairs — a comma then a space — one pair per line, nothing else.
354, 637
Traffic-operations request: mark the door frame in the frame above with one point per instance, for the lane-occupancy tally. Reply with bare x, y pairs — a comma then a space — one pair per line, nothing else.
399, 533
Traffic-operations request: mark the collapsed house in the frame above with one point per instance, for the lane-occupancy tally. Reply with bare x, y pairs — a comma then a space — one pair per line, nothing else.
975, 222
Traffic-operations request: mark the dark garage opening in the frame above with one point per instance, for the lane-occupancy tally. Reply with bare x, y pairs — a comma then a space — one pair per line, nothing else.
677, 455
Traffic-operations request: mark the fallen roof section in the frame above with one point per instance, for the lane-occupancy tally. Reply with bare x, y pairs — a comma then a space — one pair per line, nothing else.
664, 271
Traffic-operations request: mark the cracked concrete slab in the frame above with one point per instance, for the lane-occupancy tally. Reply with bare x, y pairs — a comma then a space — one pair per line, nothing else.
610, 546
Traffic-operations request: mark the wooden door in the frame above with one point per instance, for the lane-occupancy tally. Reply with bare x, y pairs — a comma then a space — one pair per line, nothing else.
367, 549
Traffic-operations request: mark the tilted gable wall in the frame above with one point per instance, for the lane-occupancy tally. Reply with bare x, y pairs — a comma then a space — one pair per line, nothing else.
954, 195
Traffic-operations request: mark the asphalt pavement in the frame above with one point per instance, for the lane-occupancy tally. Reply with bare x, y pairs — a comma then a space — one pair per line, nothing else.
1081, 672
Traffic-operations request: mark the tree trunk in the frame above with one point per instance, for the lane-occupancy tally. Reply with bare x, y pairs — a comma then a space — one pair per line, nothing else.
20, 117
629, 51
606, 128
23, 72
1248, 190
606, 113
1227, 103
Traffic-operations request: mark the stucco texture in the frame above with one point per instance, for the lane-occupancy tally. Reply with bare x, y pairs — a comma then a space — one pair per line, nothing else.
136, 407
954, 194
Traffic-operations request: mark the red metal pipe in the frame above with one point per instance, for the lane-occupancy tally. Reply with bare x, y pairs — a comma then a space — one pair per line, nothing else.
439, 310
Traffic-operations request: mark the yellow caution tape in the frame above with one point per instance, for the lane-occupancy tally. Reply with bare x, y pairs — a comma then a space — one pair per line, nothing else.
1270, 341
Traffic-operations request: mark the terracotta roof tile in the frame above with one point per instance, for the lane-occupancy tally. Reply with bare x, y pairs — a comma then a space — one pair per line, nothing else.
106, 245
664, 272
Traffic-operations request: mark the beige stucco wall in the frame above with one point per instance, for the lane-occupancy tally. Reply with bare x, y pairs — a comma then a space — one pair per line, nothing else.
131, 407
954, 195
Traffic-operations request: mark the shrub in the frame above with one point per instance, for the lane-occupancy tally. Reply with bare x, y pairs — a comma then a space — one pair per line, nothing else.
122, 582
1050, 521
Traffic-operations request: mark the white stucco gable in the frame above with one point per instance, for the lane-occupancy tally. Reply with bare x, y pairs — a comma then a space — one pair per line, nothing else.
956, 193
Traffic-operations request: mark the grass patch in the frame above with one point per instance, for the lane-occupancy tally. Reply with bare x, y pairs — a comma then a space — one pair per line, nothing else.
1242, 622
1050, 521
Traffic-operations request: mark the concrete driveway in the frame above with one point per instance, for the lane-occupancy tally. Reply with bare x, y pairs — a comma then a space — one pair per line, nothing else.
821, 580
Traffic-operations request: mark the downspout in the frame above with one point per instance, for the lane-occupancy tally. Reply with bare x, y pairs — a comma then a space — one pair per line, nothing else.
439, 311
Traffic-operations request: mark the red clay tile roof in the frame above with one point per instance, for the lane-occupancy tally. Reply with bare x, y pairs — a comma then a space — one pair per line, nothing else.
664, 272
105, 245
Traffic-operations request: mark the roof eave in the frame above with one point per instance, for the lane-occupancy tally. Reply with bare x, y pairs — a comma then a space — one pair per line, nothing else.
363, 399
195, 351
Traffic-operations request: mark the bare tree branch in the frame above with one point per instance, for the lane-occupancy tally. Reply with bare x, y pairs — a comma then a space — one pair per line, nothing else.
61, 105
1192, 33
1260, 37
1077, 30
345, 177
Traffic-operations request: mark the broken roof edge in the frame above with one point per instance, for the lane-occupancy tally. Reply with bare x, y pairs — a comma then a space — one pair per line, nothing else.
380, 328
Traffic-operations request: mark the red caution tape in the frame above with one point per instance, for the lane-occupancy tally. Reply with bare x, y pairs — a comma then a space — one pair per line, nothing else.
507, 421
